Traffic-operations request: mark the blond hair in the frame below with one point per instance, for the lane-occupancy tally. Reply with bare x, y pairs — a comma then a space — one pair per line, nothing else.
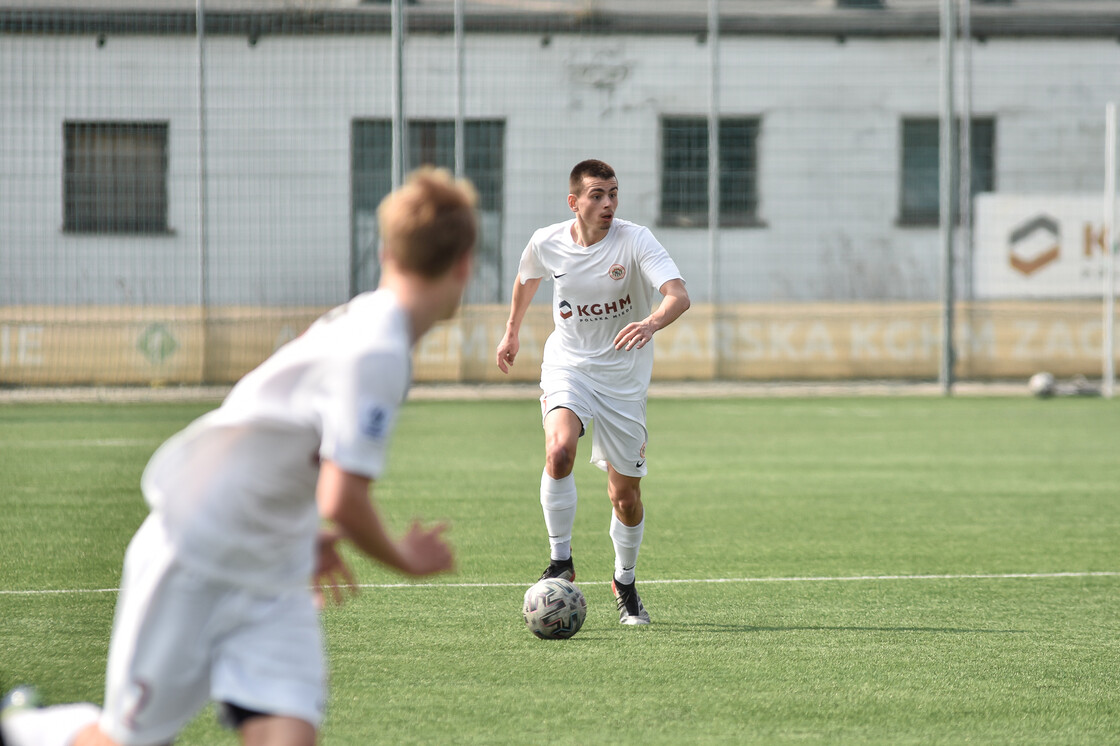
429, 223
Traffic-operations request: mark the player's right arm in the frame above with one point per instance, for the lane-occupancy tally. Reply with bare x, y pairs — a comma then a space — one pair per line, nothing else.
344, 499
523, 293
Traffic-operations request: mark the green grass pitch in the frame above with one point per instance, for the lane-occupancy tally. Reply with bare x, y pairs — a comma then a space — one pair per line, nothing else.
819, 571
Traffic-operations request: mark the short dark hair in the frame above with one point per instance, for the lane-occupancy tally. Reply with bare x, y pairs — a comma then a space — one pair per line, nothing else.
591, 167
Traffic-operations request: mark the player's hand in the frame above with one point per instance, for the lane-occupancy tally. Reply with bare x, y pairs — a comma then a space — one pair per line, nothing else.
507, 352
634, 336
331, 571
424, 551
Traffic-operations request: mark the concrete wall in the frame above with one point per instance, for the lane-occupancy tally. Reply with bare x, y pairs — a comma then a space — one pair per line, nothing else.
805, 341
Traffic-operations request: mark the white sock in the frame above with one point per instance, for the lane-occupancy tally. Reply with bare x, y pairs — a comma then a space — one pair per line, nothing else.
49, 726
558, 498
627, 541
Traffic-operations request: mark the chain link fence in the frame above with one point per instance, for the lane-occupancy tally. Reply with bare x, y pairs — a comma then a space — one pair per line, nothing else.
185, 186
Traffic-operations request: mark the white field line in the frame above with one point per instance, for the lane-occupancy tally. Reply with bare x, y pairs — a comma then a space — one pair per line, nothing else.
681, 581
82, 442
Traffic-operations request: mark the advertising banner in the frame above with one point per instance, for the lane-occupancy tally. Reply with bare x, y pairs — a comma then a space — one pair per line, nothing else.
1039, 246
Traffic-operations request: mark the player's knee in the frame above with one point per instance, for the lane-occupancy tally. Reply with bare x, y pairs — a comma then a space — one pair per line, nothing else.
627, 500
559, 460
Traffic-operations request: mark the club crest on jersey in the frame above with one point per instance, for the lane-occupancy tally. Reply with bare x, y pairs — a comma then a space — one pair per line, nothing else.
616, 272
565, 309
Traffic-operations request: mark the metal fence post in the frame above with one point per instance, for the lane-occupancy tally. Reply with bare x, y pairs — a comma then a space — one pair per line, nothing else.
945, 174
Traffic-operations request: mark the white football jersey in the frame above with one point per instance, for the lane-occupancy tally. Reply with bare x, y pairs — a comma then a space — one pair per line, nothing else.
235, 490
597, 291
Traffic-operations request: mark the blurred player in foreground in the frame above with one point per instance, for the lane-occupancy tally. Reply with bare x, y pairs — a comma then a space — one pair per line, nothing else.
597, 362
217, 601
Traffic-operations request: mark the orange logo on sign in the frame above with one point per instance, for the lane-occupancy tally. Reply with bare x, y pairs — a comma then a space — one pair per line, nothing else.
1034, 244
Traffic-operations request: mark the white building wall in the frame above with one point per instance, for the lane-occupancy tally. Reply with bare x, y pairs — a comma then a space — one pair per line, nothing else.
279, 114
46, 81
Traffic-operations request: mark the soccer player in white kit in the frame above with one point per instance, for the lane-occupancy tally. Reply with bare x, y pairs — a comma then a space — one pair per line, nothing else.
597, 362
220, 583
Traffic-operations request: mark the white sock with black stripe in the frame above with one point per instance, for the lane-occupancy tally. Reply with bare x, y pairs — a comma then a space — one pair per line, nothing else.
558, 498
627, 541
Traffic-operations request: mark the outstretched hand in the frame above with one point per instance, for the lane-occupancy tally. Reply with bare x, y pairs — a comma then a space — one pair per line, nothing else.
634, 336
424, 551
507, 352
638, 334
331, 571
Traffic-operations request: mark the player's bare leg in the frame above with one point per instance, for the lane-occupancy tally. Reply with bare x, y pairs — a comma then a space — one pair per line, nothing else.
626, 497
562, 429
627, 527
277, 731
92, 736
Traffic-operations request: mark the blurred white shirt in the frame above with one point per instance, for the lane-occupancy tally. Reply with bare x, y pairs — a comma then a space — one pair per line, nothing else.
235, 490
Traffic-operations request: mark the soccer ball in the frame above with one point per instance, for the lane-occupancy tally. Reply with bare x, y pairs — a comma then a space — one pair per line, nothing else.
554, 609
1042, 384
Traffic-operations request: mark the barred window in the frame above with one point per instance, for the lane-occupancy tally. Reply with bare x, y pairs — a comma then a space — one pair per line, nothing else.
920, 191
115, 177
684, 171
433, 143
430, 142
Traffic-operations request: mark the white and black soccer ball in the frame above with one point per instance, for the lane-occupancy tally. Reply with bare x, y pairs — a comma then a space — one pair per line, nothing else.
1042, 384
554, 609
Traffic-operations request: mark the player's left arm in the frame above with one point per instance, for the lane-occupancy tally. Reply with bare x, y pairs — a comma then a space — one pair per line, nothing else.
635, 336
344, 499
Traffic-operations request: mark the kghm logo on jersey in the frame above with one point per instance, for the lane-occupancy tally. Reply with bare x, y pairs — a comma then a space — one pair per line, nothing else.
616, 272
596, 311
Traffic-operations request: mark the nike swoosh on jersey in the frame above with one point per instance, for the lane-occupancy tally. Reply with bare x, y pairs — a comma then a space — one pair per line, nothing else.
557, 277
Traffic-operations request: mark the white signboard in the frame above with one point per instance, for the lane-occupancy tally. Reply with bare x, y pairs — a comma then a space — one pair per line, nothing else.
1039, 246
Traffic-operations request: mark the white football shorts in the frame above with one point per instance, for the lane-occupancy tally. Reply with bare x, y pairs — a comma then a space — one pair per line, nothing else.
618, 435
181, 639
